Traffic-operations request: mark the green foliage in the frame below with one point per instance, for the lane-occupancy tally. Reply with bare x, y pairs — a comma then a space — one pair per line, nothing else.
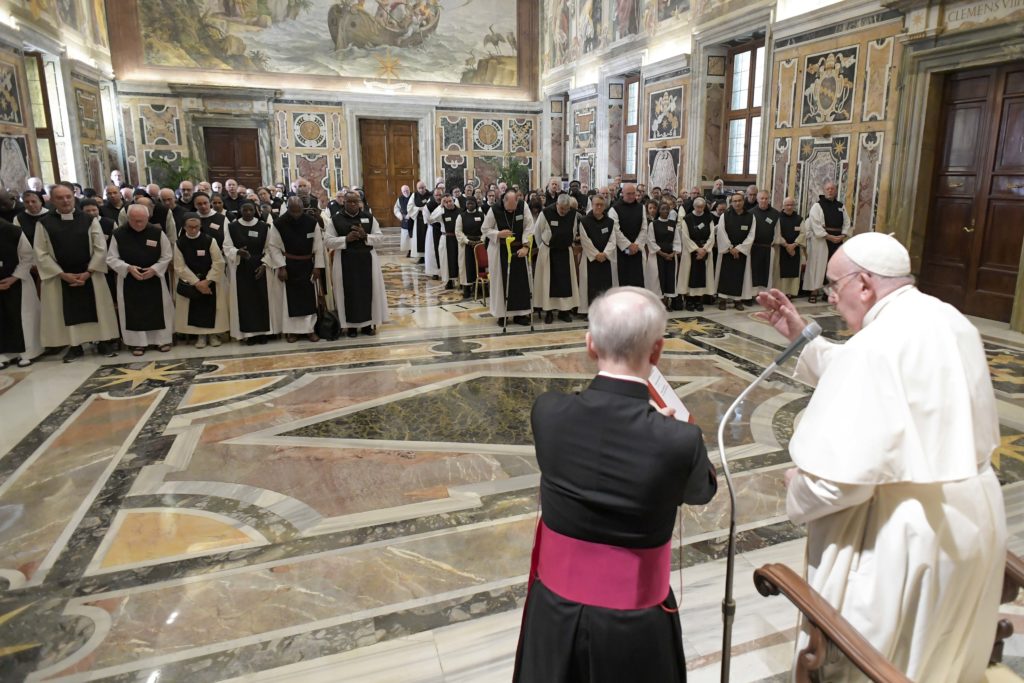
514, 172
170, 173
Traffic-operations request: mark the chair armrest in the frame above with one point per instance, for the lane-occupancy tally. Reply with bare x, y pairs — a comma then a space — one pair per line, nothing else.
825, 625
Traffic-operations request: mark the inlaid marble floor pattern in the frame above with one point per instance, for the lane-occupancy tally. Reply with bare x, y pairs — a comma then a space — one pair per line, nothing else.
363, 510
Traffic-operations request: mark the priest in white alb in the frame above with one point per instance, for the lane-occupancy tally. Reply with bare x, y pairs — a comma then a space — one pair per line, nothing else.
906, 531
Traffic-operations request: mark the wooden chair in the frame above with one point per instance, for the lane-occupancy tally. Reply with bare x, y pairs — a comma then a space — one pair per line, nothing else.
483, 276
826, 625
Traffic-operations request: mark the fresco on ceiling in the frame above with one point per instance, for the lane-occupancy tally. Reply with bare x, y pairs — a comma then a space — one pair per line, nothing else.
448, 41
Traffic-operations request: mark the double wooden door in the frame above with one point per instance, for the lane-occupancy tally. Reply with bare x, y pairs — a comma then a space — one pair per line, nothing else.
233, 153
975, 227
390, 156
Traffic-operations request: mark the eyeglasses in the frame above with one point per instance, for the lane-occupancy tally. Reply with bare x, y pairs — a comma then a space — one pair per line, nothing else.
830, 285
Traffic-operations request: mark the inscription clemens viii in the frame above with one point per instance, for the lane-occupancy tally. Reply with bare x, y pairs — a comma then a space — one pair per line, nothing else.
972, 13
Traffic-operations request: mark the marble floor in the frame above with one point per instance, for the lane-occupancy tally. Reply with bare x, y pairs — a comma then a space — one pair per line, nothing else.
362, 510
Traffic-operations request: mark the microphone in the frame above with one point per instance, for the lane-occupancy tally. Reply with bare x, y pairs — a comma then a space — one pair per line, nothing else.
812, 330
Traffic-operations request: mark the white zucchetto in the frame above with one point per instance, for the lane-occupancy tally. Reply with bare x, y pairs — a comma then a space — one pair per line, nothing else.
878, 253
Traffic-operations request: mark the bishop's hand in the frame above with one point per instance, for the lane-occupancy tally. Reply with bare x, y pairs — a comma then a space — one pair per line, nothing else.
780, 313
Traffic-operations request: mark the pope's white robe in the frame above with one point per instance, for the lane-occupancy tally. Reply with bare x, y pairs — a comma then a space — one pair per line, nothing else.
379, 302
542, 269
689, 246
590, 253
656, 260
273, 256
906, 531
29, 303
144, 338
232, 260
216, 275
53, 332
817, 246
724, 245
496, 298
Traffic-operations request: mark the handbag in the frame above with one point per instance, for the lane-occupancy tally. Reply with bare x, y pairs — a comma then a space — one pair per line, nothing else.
327, 325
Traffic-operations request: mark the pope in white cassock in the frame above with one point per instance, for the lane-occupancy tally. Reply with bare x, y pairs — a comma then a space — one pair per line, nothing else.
906, 532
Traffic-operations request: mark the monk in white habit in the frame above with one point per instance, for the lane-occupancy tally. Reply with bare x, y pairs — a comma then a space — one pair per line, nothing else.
906, 532
200, 299
508, 229
355, 235
827, 225
598, 271
19, 302
251, 298
140, 254
71, 254
696, 267
554, 277
734, 238
791, 242
295, 250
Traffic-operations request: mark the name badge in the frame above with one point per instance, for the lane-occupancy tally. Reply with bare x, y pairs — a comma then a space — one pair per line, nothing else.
150, 243
519, 218
309, 235
448, 219
214, 226
671, 228
768, 221
744, 228
200, 252
554, 223
364, 220
700, 226
254, 233
604, 231
477, 219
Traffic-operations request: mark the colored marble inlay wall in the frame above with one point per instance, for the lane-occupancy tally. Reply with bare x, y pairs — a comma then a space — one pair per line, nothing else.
154, 127
663, 132
583, 140
91, 138
310, 142
474, 146
832, 119
17, 131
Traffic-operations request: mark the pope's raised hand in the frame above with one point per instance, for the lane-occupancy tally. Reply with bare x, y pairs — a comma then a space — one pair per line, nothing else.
780, 313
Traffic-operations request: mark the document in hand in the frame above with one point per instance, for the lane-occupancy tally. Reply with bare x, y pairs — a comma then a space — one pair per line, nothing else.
664, 395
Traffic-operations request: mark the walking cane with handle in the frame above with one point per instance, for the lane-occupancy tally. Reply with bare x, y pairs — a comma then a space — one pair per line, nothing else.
508, 274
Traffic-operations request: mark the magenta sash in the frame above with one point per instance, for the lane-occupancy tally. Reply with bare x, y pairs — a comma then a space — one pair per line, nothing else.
601, 575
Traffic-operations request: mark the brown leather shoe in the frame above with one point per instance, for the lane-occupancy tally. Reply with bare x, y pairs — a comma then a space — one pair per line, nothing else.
313, 337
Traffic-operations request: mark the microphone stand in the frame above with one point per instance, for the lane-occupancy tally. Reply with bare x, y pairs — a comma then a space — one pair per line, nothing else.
728, 603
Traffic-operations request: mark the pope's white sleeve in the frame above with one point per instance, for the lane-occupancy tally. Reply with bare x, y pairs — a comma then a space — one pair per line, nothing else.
810, 498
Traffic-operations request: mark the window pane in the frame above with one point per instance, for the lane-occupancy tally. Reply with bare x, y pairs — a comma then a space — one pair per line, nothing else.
737, 135
35, 93
630, 154
740, 80
755, 145
758, 77
45, 161
633, 104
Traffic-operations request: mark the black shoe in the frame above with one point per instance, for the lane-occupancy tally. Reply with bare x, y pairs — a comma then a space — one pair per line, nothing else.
501, 322
436, 277
521, 320
467, 292
549, 318
72, 354
352, 332
421, 260
449, 285
106, 348
690, 305
368, 331
699, 306
263, 339
565, 316
677, 303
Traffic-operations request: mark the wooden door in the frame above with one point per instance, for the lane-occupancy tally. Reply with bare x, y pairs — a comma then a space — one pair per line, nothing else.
390, 154
976, 222
233, 153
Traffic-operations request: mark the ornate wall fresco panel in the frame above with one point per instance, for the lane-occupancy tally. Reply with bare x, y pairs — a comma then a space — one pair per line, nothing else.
780, 170
17, 131
665, 114
662, 127
821, 160
828, 87
401, 45
615, 139
311, 142
663, 168
785, 93
468, 144
14, 162
876, 79
869, 174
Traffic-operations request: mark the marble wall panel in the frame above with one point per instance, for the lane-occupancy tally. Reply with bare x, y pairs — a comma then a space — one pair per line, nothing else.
131, 170
520, 135
869, 174
557, 145
309, 130
461, 138
583, 141
615, 139
90, 118
877, 71
785, 96
820, 160
780, 169
453, 133
454, 165
714, 110
311, 140
829, 83
488, 135
159, 124
585, 168
12, 109
153, 127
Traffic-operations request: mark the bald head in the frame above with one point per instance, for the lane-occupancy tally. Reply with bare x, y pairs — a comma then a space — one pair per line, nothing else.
626, 329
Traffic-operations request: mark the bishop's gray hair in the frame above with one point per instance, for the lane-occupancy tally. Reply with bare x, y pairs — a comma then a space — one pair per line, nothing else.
625, 323
564, 201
